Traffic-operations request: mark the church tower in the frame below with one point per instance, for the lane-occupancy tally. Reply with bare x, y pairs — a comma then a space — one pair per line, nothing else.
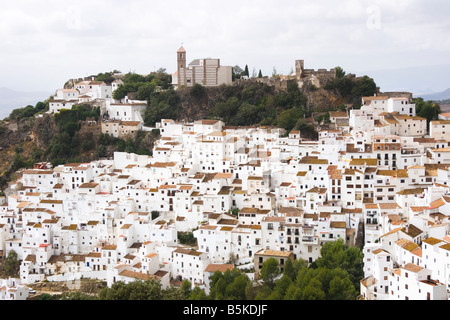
181, 66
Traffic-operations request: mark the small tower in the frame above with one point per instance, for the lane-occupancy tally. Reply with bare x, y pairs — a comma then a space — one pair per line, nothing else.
299, 67
181, 66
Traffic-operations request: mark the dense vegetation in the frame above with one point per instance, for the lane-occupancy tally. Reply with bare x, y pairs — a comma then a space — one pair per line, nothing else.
250, 103
246, 104
334, 276
143, 86
350, 88
60, 139
63, 138
66, 145
11, 265
427, 109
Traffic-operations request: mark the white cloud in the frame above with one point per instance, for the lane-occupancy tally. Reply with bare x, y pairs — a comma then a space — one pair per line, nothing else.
44, 43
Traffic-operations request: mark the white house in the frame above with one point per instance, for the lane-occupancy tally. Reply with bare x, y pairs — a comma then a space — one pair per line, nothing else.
189, 264
413, 282
13, 289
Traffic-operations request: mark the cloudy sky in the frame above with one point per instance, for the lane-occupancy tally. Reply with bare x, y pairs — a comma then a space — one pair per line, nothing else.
44, 43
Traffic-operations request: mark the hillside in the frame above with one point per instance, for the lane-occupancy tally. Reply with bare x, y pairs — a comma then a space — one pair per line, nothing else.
29, 135
11, 99
251, 102
73, 136
439, 96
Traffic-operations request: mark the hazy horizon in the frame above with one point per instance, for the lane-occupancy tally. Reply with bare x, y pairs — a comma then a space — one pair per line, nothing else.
398, 43
47, 42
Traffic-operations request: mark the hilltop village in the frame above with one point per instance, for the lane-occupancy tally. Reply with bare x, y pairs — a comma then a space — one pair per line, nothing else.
377, 178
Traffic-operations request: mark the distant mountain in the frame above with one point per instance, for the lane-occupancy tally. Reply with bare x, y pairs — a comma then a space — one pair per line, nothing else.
11, 99
439, 96
421, 80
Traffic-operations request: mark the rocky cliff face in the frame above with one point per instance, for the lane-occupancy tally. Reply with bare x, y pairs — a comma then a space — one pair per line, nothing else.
25, 142
321, 100
16, 144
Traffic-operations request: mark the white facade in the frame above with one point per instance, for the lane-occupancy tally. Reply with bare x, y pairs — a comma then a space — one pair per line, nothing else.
12, 289
440, 130
56, 106
126, 111
413, 282
242, 190
207, 72
189, 264
94, 89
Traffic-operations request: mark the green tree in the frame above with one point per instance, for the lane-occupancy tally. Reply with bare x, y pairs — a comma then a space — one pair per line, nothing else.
313, 291
198, 294
264, 293
269, 271
137, 290
145, 91
132, 77
340, 73
427, 109
155, 214
19, 162
40, 106
173, 293
11, 264
338, 255
100, 151
282, 285
341, 289
198, 92
248, 114
250, 291
291, 268
46, 296
306, 129
237, 289
121, 91
293, 292
187, 238
163, 105
289, 118
106, 77
218, 286
227, 110
230, 285
236, 72
365, 87
246, 73
186, 288
344, 86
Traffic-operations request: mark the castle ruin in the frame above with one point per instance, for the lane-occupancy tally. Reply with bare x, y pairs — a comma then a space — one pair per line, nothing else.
304, 77
318, 78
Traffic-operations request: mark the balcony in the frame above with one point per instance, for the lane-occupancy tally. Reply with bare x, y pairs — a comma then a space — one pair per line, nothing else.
310, 240
372, 227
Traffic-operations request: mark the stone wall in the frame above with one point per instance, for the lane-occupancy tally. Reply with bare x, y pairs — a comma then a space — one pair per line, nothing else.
317, 78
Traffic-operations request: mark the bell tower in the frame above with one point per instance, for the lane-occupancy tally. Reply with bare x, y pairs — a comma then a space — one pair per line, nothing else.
181, 66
